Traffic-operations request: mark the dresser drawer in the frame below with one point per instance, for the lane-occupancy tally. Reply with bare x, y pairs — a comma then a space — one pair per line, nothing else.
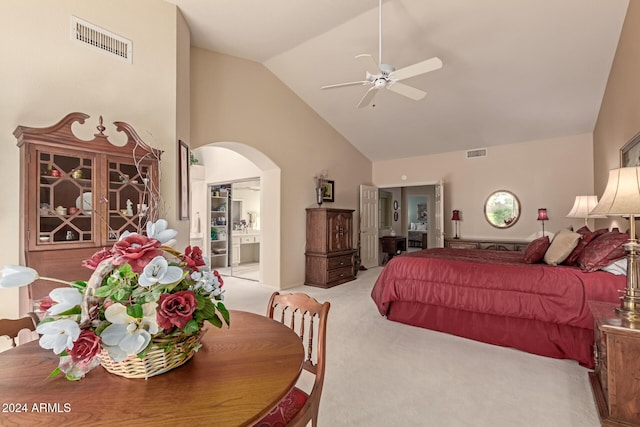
339, 261
340, 274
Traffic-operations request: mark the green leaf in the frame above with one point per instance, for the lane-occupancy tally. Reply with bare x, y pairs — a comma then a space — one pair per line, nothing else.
103, 291
55, 372
71, 311
215, 321
72, 378
135, 310
191, 327
225, 313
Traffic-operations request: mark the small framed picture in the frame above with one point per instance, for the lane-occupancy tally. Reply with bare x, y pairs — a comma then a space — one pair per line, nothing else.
630, 153
183, 180
395, 216
327, 196
395, 205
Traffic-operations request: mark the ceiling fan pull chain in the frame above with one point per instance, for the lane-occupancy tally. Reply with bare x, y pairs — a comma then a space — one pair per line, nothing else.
380, 34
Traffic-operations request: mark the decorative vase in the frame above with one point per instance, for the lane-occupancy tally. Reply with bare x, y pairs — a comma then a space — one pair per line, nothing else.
319, 195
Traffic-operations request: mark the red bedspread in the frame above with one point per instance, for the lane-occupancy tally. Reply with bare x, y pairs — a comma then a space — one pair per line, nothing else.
493, 283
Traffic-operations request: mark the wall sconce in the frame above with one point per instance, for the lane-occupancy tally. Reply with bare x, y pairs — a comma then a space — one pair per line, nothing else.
455, 218
542, 217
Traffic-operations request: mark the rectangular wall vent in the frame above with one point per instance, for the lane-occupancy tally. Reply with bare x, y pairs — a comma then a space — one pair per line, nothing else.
478, 152
101, 39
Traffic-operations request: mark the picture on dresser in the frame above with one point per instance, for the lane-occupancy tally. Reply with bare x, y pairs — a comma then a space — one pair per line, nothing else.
327, 196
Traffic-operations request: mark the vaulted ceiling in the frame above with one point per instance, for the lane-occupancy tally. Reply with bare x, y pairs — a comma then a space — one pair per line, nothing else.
513, 71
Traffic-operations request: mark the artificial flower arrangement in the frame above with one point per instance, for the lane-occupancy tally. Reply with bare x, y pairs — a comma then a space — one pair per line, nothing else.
142, 292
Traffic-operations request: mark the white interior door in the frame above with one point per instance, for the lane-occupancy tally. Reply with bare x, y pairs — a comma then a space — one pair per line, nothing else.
369, 225
439, 223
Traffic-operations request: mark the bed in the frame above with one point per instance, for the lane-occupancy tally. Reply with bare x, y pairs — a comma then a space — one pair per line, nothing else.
497, 298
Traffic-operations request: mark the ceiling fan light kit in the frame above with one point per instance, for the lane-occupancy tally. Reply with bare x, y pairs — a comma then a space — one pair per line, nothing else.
385, 76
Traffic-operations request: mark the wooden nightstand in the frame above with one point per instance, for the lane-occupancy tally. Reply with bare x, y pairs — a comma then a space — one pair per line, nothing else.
616, 380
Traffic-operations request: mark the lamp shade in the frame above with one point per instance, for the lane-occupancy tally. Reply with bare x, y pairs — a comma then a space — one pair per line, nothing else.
542, 214
456, 215
622, 194
582, 207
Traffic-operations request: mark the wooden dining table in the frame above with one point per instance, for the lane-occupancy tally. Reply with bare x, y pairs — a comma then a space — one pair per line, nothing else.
239, 375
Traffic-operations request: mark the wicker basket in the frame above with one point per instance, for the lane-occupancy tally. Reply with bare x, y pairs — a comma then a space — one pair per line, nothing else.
164, 355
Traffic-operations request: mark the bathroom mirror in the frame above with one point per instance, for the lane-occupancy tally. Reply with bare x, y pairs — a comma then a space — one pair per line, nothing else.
502, 209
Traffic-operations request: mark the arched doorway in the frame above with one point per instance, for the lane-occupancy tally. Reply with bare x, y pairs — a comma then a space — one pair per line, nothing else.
232, 161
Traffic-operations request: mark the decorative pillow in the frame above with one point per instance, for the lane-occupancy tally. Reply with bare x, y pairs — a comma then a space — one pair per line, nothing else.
602, 251
421, 227
618, 268
587, 238
413, 226
536, 249
564, 242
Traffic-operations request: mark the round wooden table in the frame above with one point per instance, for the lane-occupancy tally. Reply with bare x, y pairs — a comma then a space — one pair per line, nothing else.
238, 375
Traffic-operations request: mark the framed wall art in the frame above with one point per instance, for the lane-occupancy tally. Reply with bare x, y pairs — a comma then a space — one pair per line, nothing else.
327, 196
183, 180
630, 152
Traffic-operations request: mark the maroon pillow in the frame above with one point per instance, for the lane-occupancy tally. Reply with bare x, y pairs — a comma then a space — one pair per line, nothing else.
602, 251
587, 238
536, 249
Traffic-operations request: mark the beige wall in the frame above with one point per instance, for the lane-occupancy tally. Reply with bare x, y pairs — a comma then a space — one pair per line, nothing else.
543, 174
45, 75
235, 100
619, 118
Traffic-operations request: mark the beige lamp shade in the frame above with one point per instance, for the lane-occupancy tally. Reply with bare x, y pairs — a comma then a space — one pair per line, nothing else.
582, 207
622, 194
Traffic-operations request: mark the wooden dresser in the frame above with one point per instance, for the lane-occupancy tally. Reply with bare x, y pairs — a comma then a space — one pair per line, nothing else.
616, 380
329, 253
491, 244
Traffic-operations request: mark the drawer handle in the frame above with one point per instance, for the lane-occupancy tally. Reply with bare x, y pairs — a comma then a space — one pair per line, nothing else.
342, 275
341, 262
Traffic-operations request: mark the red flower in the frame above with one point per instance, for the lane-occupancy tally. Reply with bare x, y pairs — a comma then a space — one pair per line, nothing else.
97, 258
45, 303
219, 277
86, 347
176, 309
193, 257
136, 250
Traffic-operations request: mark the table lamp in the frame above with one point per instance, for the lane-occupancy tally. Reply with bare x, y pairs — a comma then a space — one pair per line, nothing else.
542, 217
455, 218
622, 198
582, 207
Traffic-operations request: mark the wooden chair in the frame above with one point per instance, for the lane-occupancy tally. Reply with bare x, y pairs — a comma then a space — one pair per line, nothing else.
12, 327
299, 311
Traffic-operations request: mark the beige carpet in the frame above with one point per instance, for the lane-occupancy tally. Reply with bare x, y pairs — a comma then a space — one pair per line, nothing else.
382, 373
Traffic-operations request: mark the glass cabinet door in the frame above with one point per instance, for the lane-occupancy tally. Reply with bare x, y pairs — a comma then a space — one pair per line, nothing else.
128, 197
64, 199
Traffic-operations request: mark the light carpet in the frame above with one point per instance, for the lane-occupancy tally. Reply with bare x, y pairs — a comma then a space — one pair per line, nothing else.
383, 373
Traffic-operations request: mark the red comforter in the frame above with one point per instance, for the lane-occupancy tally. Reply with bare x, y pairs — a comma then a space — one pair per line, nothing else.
492, 283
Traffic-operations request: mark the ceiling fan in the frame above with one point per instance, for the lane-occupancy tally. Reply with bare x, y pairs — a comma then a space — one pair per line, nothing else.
385, 76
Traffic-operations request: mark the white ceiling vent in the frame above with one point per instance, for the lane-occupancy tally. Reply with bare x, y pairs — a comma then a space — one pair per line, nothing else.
478, 152
101, 39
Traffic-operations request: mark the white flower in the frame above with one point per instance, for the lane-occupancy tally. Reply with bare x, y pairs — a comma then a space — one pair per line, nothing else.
58, 334
159, 271
158, 230
14, 276
125, 234
66, 299
206, 281
127, 335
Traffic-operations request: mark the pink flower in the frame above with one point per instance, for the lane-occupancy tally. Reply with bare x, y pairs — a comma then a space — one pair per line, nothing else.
176, 309
97, 258
219, 277
86, 347
136, 250
45, 303
193, 257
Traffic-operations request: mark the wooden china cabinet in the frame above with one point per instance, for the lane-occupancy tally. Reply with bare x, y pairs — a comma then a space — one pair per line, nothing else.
329, 253
78, 196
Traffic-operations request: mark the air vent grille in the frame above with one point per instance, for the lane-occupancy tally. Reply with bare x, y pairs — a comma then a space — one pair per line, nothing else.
478, 152
101, 39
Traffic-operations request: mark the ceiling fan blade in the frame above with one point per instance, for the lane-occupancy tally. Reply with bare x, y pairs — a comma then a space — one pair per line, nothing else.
408, 91
368, 97
369, 64
363, 82
416, 69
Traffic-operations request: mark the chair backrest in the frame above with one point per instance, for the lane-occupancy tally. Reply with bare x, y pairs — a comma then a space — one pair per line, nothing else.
12, 327
307, 318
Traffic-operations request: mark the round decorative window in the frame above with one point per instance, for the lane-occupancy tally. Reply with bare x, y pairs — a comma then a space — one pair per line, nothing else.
502, 209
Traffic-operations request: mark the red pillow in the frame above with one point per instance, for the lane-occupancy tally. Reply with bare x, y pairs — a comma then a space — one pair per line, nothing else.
536, 249
587, 238
602, 251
